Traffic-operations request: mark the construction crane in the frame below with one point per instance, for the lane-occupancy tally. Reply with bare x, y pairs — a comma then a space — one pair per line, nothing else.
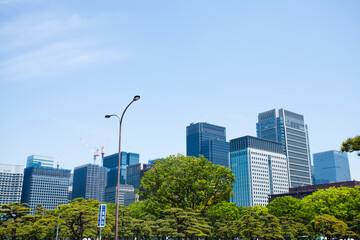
92, 149
103, 152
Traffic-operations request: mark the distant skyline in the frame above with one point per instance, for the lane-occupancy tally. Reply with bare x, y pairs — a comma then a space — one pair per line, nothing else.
64, 65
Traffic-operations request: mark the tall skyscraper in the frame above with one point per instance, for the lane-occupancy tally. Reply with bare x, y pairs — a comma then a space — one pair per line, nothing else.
111, 162
260, 169
11, 181
89, 182
133, 174
40, 161
331, 167
290, 130
46, 186
208, 140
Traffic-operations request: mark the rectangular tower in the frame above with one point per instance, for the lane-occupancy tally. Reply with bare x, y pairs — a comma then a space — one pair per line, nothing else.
11, 181
89, 182
39, 161
133, 174
290, 130
331, 167
208, 140
111, 162
46, 186
260, 169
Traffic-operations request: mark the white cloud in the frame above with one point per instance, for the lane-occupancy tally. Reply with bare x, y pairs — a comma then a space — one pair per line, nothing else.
52, 60
40, 46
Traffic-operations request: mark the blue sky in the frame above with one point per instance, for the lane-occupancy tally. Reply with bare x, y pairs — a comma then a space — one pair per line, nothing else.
66, 64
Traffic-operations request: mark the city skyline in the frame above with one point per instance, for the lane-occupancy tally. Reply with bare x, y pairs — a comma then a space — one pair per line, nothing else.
65, 65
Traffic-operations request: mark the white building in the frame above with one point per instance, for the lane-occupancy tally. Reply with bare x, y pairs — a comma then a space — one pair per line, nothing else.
11, 181
260, 169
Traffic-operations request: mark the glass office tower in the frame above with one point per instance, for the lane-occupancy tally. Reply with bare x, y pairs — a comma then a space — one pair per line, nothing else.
290, 130
111, 162
208, 140
331, 166
260, 169
89, 182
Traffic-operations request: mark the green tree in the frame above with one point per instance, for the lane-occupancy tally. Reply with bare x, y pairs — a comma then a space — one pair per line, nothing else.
331, 226
79, 218
12, 221
187, 183
355, 225
251, 227
221, 218
283, 206
271, 228
351, 145
342, 203
179, 223
40, 225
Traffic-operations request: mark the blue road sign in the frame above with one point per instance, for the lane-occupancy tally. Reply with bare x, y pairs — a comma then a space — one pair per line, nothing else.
102, 215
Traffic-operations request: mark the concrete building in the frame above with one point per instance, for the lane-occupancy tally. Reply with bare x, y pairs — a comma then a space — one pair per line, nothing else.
11, 181
289, 129
260, 169
46, 186
126, 194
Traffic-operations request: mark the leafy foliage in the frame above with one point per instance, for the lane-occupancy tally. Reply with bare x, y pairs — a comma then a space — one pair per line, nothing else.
351, 145
187, 183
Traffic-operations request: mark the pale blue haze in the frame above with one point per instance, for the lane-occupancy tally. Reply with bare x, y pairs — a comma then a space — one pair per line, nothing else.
65, 64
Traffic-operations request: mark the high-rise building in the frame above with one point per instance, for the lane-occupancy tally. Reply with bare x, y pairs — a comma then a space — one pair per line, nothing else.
11, 181
111, 162
46, 186
289, 129
133, 174
260, 169
89, 182
331, 167
208, 140
40, 161
126, 194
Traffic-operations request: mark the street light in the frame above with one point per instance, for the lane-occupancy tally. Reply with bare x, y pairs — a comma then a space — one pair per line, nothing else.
137, 97
57, 228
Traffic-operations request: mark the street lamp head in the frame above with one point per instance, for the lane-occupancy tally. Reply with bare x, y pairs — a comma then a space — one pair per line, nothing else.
137, 97
107, 116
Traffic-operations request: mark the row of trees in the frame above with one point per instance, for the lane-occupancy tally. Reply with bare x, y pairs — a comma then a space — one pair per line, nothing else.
186, 197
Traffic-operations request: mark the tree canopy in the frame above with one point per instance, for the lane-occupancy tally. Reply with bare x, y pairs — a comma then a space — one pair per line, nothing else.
187, 182
351, 145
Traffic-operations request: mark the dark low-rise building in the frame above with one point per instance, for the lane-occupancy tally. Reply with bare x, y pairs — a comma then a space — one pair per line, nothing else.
303, 191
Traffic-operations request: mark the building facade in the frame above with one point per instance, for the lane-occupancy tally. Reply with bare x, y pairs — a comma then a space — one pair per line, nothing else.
126, 194
303, 191
289, 129
208, 140
260, 169
11, 181
331, 166
133, 174
89, 182
46, 186
39, 161
111, 162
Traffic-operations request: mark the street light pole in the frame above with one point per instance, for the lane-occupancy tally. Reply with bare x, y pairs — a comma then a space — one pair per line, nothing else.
137, 97
57, 228
322, 224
